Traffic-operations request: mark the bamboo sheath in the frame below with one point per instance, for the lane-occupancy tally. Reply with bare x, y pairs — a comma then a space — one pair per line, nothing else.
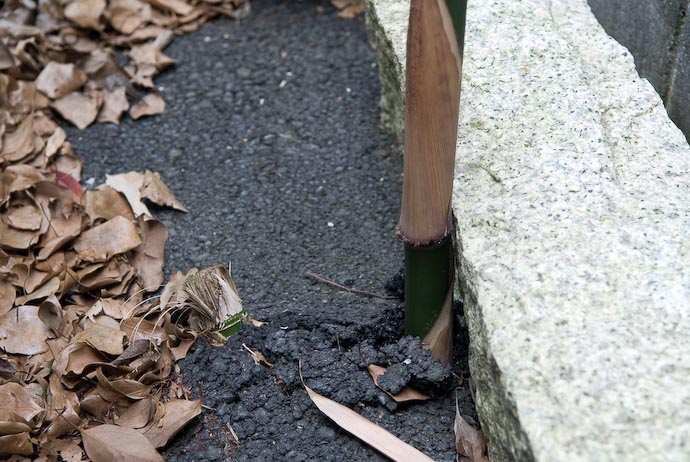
433, 75
431, 121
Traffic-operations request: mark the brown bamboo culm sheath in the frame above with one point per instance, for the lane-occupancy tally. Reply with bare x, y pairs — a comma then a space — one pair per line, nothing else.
431, 121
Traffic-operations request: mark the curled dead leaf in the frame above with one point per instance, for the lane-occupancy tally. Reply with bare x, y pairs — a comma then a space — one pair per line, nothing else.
149, 105
406, 394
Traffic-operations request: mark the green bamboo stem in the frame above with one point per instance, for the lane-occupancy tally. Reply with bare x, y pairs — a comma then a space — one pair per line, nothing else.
427, 281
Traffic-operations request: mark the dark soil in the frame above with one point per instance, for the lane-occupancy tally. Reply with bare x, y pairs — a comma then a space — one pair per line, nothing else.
281, 179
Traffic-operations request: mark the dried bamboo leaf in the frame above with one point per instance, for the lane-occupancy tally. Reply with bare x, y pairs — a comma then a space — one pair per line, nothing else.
373, 435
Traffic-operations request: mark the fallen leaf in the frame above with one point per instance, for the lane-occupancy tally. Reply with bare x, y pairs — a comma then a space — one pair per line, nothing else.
135, 414
469, 442
57, 80
21, 331
114, 105
77, 108
150, 104
129, 184
178, 412
157, 192
126, 16
19, 143
176, 6
106, 203
149, 257
19, 444
113, 237
49, 288
55, 142
406, 394
27, 217
7, 296
104, 443
370, 433
257, 356
85, 13
19, 403
105, 339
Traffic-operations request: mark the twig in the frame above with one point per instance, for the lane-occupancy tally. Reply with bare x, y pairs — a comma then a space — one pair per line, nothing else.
350, 289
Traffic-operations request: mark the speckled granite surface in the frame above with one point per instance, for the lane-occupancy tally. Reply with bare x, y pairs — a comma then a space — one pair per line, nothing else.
573, 204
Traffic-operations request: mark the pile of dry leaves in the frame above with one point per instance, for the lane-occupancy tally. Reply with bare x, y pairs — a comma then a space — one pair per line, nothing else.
82, 346
61, 54
86, 359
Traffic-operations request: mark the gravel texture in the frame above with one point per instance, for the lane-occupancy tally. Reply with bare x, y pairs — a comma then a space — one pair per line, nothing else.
271, 138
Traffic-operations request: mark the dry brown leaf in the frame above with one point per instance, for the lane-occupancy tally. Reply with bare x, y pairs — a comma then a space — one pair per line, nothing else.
113, 390
7, 296
179, 7
11, 238
46, 290
21, 331
114, 105
257, 356
106, 203
65, 450
129, 184
77, 108
27, 217
150, 104
149, 257
85, 13
126, 16
105, 339
104, 443
135, 414
57, 80
19, 143
178, 412
370, 433
55, 142
18, 178
469, 442
19, 403
18, 444
113, 237
155, 190
406, 394
256, 322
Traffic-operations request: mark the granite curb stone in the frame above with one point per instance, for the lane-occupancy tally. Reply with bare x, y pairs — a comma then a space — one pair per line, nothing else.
572, 201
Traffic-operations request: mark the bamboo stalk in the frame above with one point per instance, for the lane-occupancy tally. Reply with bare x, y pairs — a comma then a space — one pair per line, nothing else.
433, 75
